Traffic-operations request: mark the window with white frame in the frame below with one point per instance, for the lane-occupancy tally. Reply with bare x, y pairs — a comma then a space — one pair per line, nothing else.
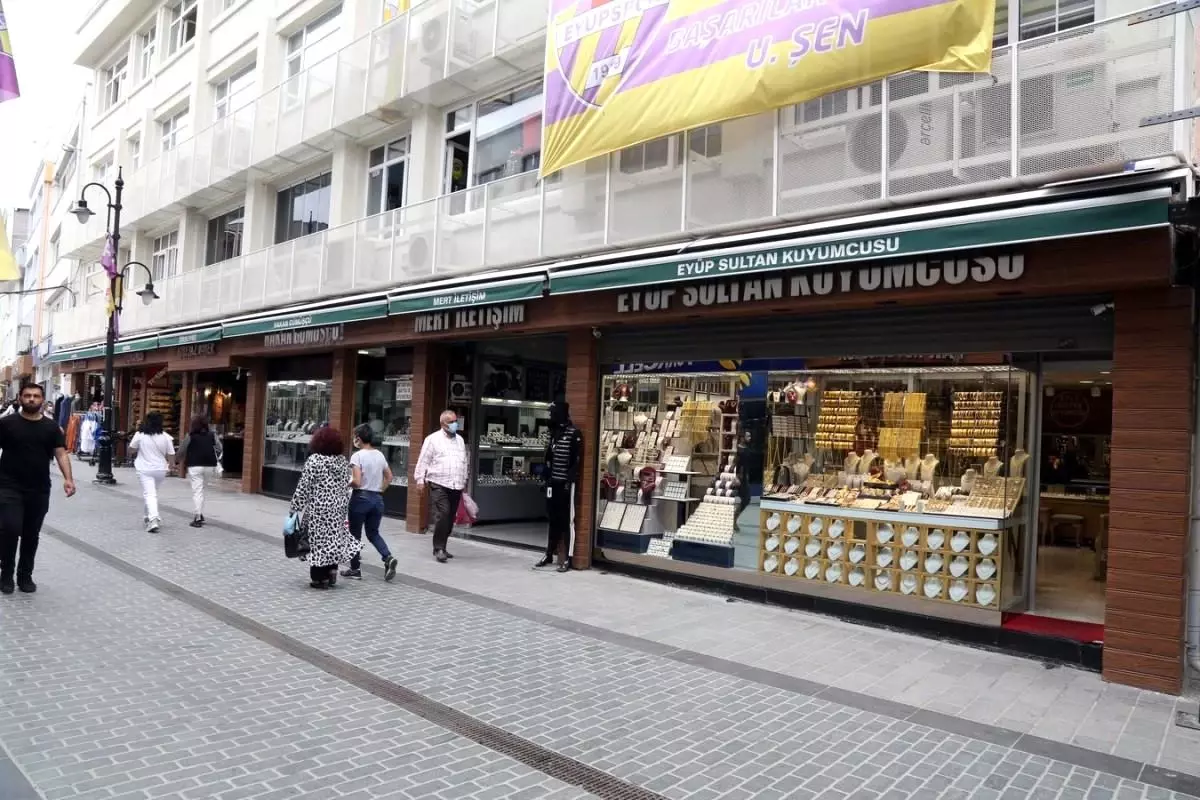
386, 174
181, 27
493, 139
102, 168
164, 262
173, 130
317, 40
112, 83
135, 151
95, 281
147, 41
233, 92
668, 152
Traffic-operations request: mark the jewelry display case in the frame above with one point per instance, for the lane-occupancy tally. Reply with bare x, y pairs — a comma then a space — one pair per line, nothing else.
295, 409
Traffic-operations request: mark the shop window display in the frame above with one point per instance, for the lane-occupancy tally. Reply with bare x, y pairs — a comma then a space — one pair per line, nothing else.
386, 405
221, 397
295, 409
904, 482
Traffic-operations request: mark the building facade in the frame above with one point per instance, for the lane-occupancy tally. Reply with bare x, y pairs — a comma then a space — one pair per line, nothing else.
860, 354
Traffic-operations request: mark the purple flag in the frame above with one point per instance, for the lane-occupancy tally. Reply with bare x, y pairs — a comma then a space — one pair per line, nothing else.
9, 89
108, 259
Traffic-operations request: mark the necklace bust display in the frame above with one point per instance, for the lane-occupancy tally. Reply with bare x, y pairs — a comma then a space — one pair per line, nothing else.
1016, 464
867, 460
851, 463
968, 480
928, 468
991, 467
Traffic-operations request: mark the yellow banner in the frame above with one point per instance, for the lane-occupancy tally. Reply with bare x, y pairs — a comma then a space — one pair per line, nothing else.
623, 72
8, 264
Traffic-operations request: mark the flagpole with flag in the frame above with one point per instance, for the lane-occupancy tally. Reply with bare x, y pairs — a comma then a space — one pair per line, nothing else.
9, 89
8, 263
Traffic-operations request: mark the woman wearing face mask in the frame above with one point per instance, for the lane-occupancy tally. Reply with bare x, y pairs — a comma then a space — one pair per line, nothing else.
370, 476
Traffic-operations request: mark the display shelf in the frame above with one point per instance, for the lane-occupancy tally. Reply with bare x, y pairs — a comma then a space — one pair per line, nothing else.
714, 555
677, 499
513, 448
681, 472
629, 542
499, 401
901, 517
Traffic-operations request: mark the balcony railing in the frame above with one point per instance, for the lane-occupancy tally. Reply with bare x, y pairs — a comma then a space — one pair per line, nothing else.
1081, 96
438, 52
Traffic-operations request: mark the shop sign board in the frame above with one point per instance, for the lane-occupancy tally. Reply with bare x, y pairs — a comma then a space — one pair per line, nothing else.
316, 318
196, 350
315, 337
724, 365
493, 317
465, 297
920, 274
991, 230
191, 337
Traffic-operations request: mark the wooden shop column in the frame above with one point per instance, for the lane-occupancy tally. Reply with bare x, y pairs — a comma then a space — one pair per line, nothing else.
253, 443
187, 389
341, 406
1151, 466
428, 403
583, 396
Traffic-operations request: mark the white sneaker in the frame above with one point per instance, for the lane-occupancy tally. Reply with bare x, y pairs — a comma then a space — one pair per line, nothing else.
152, 526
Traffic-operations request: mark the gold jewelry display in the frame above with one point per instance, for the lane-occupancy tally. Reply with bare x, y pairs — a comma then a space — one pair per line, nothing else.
838, 417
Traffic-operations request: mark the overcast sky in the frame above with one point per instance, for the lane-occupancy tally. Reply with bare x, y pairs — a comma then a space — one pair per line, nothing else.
36, 124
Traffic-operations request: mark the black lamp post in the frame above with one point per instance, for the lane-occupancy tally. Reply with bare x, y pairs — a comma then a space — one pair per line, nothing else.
104, 474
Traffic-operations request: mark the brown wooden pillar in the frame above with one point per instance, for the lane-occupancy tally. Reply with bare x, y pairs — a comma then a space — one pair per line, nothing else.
187, 389
341, 407
1153, 417
253, 443
428, 402
583, 395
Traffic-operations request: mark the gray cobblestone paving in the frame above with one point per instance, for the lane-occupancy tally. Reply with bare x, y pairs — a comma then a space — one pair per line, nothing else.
678, 729
111, 689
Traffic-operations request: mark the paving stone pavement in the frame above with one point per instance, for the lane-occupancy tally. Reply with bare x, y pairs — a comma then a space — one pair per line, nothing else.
98, 653
1015, 693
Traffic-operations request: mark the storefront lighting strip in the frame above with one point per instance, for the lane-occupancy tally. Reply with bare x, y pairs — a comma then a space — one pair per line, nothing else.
499, 401
966, 370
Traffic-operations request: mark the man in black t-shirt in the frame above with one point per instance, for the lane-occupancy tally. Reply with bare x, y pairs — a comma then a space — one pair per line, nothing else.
28, 441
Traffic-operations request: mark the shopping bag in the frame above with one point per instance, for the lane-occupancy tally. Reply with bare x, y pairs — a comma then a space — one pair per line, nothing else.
468, 512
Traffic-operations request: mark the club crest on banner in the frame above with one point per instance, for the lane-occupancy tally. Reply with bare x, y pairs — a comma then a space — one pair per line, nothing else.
596, 42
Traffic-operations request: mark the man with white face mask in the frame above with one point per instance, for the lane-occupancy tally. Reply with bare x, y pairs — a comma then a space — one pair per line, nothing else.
443, 465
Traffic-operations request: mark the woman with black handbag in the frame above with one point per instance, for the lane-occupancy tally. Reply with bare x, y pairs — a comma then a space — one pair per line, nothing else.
322, 502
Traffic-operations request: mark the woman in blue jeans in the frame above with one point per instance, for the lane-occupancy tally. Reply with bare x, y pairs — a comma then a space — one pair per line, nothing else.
370, 475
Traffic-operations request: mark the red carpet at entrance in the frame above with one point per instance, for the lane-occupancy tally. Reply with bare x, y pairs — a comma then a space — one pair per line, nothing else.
1062, 628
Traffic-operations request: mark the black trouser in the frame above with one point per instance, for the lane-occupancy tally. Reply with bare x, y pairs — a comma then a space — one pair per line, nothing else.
558, 510
21, 515
443, 508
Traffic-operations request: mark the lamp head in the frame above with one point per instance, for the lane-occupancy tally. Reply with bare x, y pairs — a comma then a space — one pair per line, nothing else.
147, 294
81, 211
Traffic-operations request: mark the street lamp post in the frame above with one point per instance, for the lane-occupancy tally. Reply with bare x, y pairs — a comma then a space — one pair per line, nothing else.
104, 474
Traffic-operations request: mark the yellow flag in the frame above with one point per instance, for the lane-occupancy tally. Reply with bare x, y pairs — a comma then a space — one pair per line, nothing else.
8, 264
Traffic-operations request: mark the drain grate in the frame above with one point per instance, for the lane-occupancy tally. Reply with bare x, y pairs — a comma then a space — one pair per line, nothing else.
544, 760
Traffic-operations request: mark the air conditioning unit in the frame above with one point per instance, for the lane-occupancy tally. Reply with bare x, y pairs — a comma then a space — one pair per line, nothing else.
431, 43
433, 39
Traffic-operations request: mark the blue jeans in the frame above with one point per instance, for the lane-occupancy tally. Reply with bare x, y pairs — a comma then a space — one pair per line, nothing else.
366, 509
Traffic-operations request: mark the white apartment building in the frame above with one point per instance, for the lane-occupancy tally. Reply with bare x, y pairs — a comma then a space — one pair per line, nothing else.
280, 151
14, 321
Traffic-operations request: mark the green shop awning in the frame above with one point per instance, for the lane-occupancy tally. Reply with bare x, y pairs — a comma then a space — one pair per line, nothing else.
376, 309
190, 337
998, 228
95, 351
136, 345
480, 294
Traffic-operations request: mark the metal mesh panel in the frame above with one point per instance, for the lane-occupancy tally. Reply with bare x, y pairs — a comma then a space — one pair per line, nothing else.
461, 220
290, 131
277, 283
202, 151
513, 206
521, 22
352, 70
730, 172
472, 25
318, 97
307, 256
412, 260
221, 148
574, 209
646, 191
208, 300
830, 152
182, 173
385, 81
266, 123
425, 56
254, 280
948, 129
372, 253
1083, 92
231, 284
337, 273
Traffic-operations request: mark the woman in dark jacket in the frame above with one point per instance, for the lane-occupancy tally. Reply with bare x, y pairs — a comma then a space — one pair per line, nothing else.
201, 454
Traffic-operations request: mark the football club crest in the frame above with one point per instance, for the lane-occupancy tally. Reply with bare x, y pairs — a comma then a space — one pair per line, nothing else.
597, 41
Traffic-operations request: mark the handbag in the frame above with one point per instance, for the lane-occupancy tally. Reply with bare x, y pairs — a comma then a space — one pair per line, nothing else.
467, 512
295, 536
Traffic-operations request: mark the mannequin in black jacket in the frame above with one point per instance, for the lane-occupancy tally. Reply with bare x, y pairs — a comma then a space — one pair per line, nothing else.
563, 455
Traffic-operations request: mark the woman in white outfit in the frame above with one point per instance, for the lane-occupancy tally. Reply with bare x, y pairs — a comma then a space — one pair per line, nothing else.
200, 453
153, 453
